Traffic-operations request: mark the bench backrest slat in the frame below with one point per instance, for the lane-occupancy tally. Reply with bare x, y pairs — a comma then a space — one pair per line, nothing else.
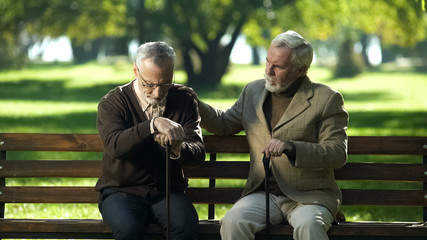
50, 168
50, 142
214, 144
387, 145
217, 170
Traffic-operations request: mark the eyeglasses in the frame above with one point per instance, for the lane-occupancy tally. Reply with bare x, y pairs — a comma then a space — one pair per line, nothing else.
155, 85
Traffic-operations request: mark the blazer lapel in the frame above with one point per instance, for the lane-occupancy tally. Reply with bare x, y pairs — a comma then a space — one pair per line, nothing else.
298, 104
259, 100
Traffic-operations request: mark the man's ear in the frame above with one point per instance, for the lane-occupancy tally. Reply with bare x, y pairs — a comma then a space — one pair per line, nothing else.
302, 71
135, 70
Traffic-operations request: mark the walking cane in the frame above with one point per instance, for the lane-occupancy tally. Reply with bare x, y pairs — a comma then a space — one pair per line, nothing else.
266, 162
168, 201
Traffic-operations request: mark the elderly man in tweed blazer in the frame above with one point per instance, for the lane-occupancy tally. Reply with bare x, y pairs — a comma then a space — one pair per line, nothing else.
302, 126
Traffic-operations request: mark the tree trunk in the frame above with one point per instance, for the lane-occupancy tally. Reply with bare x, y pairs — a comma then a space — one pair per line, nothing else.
255, 56
188, 64
214, 62
349, 64
87, 51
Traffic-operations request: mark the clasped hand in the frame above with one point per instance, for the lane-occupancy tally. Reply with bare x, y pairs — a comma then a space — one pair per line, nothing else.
275, 148
168, 132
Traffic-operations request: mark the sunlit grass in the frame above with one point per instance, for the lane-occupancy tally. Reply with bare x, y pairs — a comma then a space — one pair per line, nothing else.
43, 108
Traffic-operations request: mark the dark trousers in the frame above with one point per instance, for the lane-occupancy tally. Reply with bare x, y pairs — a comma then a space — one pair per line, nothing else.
128, 215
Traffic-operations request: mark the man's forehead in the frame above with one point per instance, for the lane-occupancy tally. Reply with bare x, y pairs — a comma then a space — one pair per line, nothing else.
278, 54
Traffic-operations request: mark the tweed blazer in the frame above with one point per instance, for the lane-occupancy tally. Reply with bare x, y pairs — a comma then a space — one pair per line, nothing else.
315, 121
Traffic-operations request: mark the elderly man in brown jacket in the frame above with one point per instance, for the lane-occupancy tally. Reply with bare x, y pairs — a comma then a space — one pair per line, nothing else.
301, 126
135, 122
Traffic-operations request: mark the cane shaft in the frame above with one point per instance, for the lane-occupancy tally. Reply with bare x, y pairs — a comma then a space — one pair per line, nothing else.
266, 162
168, 181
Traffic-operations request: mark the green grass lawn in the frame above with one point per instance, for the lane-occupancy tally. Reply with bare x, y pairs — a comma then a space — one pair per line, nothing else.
64, 98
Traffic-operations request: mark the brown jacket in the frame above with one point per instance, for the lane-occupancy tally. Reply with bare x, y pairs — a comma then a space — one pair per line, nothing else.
315, 121
132, 161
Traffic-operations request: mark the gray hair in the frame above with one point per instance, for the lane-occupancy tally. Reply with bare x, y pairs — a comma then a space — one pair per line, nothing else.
302, 51
159, 51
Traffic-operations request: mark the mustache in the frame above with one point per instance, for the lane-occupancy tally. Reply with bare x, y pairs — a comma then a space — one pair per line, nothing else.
269, 78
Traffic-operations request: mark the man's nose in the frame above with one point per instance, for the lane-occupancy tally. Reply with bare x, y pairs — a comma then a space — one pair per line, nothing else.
269, 69
157, 92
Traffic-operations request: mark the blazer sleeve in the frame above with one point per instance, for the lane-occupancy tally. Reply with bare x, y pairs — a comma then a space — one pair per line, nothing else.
223, 123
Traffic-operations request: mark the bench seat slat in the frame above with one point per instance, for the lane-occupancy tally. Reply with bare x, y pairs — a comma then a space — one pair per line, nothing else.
217, 169
58, 227
203, 196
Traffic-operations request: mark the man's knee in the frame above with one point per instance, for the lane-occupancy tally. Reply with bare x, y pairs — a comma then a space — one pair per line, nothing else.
184, 230
315, 222
234, 217
311, 221
129, 231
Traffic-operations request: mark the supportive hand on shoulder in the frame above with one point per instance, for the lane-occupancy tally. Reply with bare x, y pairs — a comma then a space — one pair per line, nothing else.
189, 90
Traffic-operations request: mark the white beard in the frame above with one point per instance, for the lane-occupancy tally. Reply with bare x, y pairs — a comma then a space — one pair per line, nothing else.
272, 85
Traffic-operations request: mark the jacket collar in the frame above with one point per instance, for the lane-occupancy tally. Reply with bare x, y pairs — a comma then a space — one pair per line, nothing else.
300, 102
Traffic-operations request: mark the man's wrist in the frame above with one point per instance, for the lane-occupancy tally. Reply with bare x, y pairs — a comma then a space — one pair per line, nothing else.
153, 128
290, 149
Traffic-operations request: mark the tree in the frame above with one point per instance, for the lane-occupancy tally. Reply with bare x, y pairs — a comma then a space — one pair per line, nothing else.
26, 21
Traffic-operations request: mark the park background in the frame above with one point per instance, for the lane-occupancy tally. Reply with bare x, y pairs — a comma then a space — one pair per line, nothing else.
59, 57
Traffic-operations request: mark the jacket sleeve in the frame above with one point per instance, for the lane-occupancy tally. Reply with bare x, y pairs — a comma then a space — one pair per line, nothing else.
223, 123
192, 148
118, 138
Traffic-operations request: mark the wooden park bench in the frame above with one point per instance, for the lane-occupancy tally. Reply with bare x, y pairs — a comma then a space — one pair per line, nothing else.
212, 169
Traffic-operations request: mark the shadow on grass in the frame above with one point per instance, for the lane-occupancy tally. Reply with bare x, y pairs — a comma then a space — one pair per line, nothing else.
27, 89
367, 96
389, 120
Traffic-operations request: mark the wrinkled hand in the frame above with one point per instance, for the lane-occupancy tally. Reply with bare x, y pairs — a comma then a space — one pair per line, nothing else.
169, 132
275, 148
189, 90
162, 139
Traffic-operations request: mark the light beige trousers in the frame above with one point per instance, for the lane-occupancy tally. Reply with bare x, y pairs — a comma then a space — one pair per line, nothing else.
247, 217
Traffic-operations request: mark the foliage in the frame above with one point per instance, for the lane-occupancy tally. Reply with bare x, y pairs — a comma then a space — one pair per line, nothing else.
24, 22
204, 32
399, 22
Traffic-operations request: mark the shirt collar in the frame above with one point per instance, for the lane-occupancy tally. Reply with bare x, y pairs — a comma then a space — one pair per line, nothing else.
142, 100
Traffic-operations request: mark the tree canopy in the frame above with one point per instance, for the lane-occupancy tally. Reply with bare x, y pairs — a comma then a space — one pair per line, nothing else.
204, 32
